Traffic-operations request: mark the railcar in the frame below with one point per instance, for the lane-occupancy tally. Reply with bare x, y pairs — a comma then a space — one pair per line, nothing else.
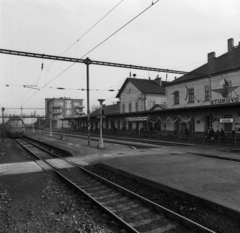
15, 127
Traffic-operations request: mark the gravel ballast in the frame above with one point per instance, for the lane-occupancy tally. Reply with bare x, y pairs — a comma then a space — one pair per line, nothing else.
203, 216
41, 202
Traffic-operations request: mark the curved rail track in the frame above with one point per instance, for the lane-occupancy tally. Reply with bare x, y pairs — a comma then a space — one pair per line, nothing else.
133, 212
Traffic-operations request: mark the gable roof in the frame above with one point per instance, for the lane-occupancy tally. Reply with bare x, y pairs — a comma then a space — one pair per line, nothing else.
109, 109
158, 107
225, 63
145, 86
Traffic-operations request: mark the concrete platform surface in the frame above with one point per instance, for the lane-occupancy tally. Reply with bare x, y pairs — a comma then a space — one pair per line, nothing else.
211, 179
175, 166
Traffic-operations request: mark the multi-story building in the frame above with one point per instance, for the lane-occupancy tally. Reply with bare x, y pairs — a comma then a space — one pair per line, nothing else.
210, 100
141, 94
59, 108
207, 97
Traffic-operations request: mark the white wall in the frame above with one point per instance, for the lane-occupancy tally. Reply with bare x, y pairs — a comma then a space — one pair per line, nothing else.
131, 94
199, 90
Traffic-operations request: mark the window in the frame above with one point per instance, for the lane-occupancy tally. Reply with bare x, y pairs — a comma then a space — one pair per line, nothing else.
176, 97
123, 108
130, 107
191, 95
137, 106
15, 122
207, 93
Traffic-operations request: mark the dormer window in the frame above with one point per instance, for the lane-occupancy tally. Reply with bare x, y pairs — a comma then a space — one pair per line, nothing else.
207, 93
123, 108
130, 107
137, 106
176, 97
191, 95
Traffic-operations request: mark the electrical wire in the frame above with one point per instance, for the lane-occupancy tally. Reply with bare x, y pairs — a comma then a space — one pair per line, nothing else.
87, 31
119, 29
50, 65
100, 44
59, 88
105, 40
93, 26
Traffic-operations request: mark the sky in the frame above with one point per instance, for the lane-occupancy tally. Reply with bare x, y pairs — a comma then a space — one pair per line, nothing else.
171, 34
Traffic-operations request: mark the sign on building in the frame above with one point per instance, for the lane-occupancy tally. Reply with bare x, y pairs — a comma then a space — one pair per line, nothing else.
136, 118
226, 120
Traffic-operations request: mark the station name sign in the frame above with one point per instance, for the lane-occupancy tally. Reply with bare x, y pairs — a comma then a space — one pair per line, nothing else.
136, 118
226, 120
226, 101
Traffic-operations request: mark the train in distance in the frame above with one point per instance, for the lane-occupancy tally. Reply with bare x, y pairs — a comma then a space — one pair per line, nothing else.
15, 127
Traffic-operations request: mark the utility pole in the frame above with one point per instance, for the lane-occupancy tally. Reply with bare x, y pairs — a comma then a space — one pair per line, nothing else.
100, 144
50, 116
3, 109
88, 62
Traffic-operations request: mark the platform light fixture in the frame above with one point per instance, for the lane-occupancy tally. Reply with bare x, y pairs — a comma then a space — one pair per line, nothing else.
3, 109
100, 144
50, 117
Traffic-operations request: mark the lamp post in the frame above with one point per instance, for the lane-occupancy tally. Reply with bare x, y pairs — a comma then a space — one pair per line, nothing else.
100, 144
3, 109
50, 117
33, 126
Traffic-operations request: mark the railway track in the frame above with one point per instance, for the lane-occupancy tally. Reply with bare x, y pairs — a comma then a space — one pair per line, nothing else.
123, 139
133, 212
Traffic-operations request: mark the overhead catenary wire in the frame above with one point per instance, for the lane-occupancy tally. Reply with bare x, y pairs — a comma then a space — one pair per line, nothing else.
49, 65
120, 29
59, 88
84, 34
97, 46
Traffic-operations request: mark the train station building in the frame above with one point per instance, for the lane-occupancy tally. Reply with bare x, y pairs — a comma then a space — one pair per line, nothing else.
191, 103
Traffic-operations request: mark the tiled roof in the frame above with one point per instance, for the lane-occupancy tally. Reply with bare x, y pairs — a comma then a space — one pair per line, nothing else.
145, 86
224, 63
108, 109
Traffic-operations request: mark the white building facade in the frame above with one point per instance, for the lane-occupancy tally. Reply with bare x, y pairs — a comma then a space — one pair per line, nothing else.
211, 100
59, 108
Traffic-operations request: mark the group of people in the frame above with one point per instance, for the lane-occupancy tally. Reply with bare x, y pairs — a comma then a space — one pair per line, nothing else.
211, 134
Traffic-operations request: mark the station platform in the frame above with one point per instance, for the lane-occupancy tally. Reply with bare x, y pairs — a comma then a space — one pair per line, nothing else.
193, 169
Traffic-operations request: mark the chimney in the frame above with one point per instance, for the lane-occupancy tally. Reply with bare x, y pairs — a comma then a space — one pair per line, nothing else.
158, 80
211, 56
230, 44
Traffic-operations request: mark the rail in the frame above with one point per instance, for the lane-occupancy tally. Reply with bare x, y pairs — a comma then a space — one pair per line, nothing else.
130, 227
233, 137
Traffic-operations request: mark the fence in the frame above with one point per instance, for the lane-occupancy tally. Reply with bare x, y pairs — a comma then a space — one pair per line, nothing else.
173, 135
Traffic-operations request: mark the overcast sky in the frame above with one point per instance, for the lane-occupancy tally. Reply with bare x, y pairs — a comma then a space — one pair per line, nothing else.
172, 34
